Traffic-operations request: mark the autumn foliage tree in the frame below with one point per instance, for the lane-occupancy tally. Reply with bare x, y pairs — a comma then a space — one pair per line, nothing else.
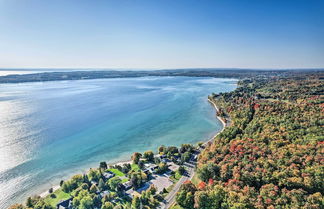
272, 154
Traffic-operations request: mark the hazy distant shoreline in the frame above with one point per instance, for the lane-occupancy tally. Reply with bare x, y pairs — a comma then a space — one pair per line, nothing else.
25, 76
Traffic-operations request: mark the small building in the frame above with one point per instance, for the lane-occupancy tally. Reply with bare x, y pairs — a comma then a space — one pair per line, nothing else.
165, 160
108, 175
127, 185
150, 168
103, 193
65, 204
161, 156
145, 187
94, 182
147, 171
177, 156
173, 167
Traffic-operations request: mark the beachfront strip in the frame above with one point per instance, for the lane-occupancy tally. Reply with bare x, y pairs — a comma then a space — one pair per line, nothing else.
147, 181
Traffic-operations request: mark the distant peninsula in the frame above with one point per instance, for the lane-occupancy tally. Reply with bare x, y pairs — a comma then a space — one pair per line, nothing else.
60, 75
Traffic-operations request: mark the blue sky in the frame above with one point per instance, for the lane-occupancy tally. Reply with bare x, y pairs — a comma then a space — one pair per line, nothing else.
161, 33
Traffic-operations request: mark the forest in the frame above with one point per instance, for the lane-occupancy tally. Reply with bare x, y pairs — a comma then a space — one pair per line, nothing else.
271, 156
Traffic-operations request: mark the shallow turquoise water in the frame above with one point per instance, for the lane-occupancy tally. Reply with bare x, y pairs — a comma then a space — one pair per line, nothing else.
51, 130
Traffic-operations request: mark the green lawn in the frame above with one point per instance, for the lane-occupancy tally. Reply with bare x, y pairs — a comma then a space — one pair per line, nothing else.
177, 175
124, 180
135, 167
116, 172
60, 195
195, 180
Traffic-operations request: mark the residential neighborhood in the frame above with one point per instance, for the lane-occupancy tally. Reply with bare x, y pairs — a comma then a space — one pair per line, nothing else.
152, 177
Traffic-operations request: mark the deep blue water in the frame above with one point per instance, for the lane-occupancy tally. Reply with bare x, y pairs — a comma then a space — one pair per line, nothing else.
51, 130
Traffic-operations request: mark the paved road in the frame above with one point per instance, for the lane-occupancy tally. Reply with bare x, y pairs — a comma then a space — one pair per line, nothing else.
170, 198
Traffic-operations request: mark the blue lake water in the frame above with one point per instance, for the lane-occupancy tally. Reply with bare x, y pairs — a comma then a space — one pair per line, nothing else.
51, 130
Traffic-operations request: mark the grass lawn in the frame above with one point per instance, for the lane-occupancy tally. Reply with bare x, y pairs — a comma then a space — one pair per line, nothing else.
195, 180
116, 172
135, 167
177, 175
124, 180
60, 195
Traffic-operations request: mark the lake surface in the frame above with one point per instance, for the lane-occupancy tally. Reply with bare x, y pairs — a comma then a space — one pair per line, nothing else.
51, 130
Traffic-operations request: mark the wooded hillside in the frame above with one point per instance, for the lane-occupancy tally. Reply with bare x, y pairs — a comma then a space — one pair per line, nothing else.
272, 154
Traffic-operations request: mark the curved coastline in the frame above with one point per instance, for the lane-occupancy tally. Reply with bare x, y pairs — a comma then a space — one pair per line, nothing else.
219, 118
56, 187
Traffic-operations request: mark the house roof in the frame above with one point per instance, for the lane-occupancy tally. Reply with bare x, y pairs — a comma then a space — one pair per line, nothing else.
64, 203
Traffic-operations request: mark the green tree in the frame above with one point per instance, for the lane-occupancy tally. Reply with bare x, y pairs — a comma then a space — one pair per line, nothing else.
103, 165
148, 155
185, 157
162, 150
94, 175
181, 170
31, 201
114, 183
136, 202
107, 205
86, 203
41, 204
185, 199
136, 157
208, 171
93, 188
101, 184
163, 167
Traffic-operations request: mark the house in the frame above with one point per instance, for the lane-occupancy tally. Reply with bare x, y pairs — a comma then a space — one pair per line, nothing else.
147, 171
127, 185
165, 160
150, 168
177, 156
108, 175
161, 156
103, 193
145, 187
173, 167
115, 201
132, 193
65, 204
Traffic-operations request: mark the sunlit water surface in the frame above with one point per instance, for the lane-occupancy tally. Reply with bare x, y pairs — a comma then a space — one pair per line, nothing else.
51, 130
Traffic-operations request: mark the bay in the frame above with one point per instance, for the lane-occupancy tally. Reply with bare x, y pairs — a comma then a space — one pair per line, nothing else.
52, 130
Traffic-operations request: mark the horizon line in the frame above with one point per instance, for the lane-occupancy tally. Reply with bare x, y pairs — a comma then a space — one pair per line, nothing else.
138, 69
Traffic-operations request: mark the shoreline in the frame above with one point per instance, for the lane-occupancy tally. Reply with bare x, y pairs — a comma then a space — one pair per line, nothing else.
219, 118
121, 162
